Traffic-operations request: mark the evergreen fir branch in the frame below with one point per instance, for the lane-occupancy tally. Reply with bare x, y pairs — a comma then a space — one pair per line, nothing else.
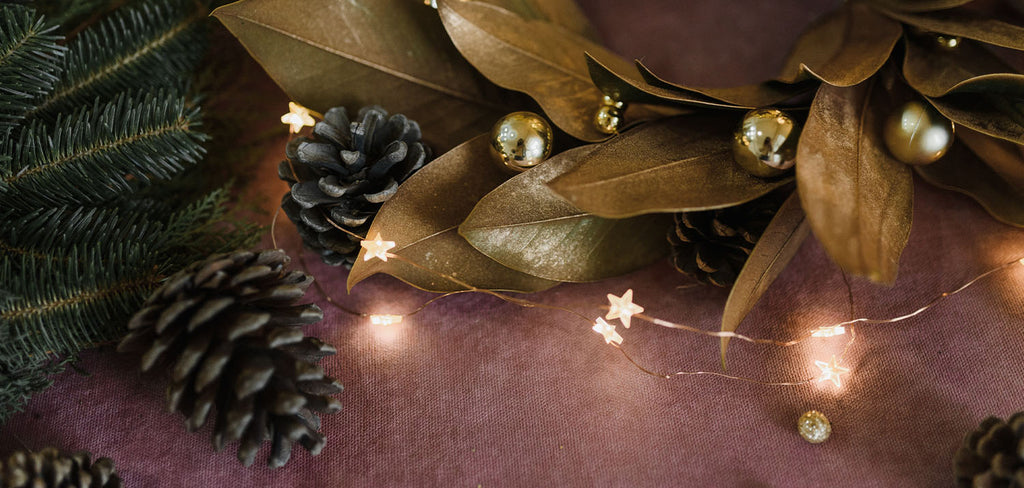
18, 382
48, 234
29, 63
152, 44
63, 307
96, 155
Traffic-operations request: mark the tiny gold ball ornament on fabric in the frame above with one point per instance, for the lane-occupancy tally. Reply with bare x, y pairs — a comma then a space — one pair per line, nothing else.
521, 140
814, 427
765, 143
918, 134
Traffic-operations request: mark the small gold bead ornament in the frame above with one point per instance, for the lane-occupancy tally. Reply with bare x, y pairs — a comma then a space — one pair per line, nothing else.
765, 143
814, 427
521, 140
946, 41
918, 134
608, 118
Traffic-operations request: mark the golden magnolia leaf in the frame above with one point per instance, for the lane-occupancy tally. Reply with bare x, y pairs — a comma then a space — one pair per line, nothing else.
935, 71
967, 24
1003, 157
746, 96
858, 199
562, 13
533, 57
961, 170
630, 88
675, 164
844, 48
522, 224
969, 85
773, 251
919, 5
423, 220
393, 53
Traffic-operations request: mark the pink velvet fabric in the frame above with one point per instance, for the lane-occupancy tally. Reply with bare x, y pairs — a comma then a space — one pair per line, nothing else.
477, 392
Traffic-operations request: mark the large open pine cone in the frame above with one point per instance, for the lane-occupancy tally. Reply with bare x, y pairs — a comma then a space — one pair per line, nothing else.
49, 468
992, 455
713, 245
344, 173
231, 329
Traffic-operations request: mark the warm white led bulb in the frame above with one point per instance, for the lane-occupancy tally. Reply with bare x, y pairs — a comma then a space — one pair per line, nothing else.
608, 331
831, 371
623, 308
385, 319
377, 248
297, 117
829, 331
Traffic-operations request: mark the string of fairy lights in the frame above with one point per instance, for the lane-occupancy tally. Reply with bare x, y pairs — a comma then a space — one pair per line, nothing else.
623, 308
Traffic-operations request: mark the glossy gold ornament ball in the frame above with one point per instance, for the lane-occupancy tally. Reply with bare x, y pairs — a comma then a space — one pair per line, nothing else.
765, 143
916, 133
521, 140
814, 427
608, 118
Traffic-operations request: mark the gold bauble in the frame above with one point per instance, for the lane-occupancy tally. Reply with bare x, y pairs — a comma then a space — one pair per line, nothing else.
609, 116
765, 143
916, 133
521, 140
814, 427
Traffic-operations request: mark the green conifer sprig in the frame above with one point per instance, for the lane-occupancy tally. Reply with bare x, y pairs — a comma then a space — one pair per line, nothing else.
94, 211
29, 60
146, 136
147, 45
62, 307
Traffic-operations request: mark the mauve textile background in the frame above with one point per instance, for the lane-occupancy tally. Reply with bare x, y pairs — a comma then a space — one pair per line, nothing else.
477, 392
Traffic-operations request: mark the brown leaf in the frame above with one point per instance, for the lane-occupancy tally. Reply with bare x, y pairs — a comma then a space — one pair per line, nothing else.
919, 5
969, 85
522, 224
423, 220
533, 57
1003, 157
935, 71
967, 24
563, 13
394, 53
676, 164
858, 199
963, 172
628, 87
773, 251
844, 48
746, 96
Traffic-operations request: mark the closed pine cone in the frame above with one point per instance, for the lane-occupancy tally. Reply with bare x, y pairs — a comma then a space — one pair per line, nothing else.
712, 246
49, 468
231, 334
344, 174
993, 455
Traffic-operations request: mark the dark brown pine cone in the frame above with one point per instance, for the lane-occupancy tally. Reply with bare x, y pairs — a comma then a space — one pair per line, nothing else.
993, 455
713, 245
49, 468
229, 331
344, 173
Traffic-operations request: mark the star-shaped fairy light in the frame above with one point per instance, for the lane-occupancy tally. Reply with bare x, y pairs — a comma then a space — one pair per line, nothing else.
297, 117
608, 331
831, 371
377, 248
623, 308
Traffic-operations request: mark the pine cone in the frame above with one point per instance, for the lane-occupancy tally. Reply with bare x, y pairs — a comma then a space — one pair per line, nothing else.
49, 468
713, 245
231, 329
344, 173
992, 455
